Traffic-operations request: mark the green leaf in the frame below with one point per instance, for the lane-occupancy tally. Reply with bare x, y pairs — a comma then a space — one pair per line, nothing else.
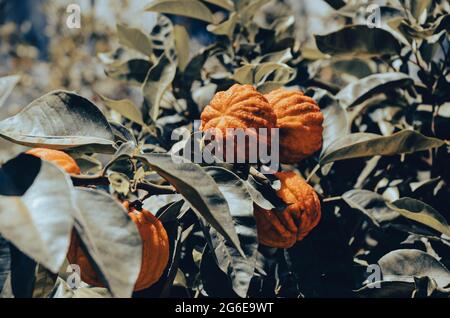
181, 37
59, 120
7, 84
203, 95
225, 28
283, 56
248, 11
126, 108
418, 6
421, 212
158, 80
372, 204
195, 66
133, 71
135, 39
418, 32
366, 145
335, 125
35, 209
199, 189
188, 8
277, 72
244, 74
9, 150
358, 41
225, 4
110, 237
240, 269
265, 76
408, 263
359, 91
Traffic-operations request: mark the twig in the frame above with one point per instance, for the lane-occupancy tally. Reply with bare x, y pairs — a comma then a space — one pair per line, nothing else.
151, 188
313, 172
332, 199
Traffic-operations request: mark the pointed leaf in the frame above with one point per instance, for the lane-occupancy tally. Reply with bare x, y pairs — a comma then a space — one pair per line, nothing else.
371, 204
110, 237
225, 28
135, 39
181, 38
157, 82
199, 189
335, 125
413, 263
355, 93
59, 120
188, 8
421, 212
35, 209
7, 84
126, 108
240, 270
366, 145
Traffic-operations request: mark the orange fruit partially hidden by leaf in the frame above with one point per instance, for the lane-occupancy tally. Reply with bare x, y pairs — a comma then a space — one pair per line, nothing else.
295, 222
300, 122
59, 158
155, 251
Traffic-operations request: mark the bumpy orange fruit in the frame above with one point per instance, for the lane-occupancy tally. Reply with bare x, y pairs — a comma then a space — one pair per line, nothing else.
155, 251
284, 229
240, 107
300, 122
61, 159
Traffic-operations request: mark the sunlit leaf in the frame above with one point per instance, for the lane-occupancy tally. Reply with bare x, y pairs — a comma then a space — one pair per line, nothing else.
158, 80
357, 92
126, 108
181, 38
360, 145
335, 125
134, 39
225, 28
413, 263
59, 120
7, 84
35, 209
421, 212
371, 204
110, 237
189, 8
